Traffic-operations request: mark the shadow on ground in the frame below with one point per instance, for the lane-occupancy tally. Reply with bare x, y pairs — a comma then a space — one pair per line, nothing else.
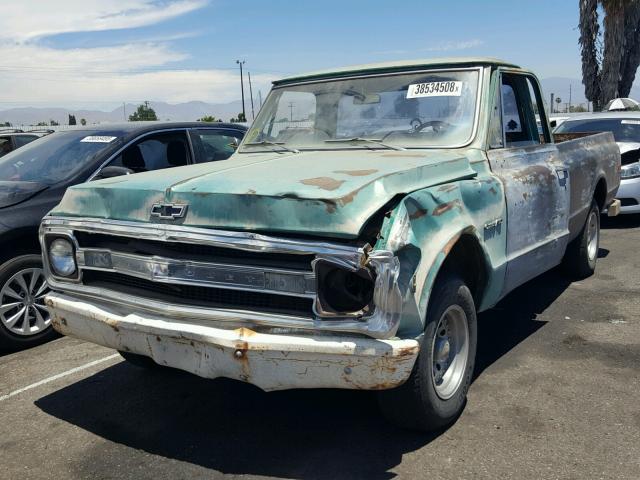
620, 222
236, 428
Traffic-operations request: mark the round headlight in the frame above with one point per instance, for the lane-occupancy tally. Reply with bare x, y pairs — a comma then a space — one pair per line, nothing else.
61, 257
345, 291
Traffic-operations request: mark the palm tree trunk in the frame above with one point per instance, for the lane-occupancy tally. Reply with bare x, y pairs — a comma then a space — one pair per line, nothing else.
588, 36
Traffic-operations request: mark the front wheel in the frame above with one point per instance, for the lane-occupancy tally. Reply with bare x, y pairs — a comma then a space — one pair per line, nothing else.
24, 319
435, 392
582, 253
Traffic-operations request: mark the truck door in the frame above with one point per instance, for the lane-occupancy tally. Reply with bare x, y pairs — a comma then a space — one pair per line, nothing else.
536, 190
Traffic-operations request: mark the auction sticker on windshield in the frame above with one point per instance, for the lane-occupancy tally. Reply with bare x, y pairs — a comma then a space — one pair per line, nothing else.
434, 89
98, 139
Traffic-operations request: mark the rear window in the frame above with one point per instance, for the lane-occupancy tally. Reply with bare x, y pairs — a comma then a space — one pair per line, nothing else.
623, 129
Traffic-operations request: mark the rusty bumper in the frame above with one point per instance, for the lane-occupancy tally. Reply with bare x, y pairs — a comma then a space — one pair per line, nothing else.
269, 361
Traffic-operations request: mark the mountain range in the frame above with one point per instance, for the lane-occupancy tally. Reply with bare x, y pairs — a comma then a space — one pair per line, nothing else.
194, 110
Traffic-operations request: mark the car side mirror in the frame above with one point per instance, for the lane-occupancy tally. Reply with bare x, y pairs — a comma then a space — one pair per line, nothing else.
113, 171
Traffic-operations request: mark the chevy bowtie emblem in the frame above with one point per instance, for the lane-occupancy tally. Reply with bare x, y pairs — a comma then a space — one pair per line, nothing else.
168, 211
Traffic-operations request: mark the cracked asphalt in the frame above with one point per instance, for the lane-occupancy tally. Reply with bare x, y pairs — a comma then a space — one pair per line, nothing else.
556, 396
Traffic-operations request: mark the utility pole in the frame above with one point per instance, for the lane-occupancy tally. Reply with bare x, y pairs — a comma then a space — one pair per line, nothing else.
551, 104
124, 111
569, 97
291, 111
244, 114
253, 114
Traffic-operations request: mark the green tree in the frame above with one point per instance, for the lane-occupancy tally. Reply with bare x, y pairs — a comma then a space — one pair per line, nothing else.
208, 118
6, 124
610, 59
42, 124
143, 113
72, 119
83, 121
53, 123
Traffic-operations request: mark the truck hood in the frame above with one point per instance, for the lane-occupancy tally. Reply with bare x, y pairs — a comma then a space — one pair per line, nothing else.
321, 193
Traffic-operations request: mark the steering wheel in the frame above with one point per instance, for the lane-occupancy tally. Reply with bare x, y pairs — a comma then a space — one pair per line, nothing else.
437, 125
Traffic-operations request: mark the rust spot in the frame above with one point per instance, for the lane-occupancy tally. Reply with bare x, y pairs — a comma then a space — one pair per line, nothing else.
330, 207
251, 191
191, 343
357, 173
348, 198
525, 195
447, 187
493, 190
418, 213
113, 324
158, 338
325, 183
445, 207
406, 351
244, 332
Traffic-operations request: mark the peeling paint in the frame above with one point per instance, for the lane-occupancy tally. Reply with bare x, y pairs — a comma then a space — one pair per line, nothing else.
357, 173
325, 183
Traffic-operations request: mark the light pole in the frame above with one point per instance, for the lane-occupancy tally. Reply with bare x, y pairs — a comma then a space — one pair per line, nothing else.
242, 88
253, 114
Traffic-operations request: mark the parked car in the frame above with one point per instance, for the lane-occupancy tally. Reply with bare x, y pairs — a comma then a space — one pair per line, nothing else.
346, 246
34, 178
11, 139
625, 127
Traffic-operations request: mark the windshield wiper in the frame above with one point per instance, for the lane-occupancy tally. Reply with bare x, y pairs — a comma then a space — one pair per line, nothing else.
366, 140
274, 144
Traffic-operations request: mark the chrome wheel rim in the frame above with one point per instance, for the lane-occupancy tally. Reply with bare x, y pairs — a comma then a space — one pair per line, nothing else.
450, 352
592, 235
22, 308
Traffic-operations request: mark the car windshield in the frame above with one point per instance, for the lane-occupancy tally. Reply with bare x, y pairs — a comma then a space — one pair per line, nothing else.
410, 110
55, 157
623, 129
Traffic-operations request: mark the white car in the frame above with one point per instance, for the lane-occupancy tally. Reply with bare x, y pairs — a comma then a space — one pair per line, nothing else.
625, 127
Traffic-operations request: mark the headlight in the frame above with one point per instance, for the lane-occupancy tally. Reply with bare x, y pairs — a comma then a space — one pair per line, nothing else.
343, 291
62, 258
630, 171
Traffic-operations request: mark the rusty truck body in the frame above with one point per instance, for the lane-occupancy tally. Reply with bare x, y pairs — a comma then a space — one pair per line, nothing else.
368, 215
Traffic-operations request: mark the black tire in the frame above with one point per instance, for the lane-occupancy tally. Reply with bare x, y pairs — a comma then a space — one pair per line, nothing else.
8, 339
578, 262
140, 361
416, 405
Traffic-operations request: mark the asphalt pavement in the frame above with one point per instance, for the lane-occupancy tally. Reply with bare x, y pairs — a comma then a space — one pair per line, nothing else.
556, 396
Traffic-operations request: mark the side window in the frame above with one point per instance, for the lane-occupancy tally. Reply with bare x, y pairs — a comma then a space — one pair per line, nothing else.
24, 139
215, 145
518, 112
5, 145
539, 110
155, 152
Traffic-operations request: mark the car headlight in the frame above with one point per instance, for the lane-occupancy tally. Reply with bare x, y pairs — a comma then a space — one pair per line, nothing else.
344, 292
62, 257
630, 171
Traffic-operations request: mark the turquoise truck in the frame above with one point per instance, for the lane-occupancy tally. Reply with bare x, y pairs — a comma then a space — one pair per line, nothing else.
367, 216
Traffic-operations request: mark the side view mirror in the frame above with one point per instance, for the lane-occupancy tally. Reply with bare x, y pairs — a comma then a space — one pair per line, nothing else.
113, 171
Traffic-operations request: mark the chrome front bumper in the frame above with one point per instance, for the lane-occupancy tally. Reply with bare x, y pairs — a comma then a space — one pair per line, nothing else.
629, 189
269, 361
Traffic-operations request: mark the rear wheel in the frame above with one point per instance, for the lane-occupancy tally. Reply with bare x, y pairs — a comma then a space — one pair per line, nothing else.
582, 253
435, 393
24, 319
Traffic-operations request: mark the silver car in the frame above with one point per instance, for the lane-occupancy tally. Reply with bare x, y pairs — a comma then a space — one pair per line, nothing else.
625, 127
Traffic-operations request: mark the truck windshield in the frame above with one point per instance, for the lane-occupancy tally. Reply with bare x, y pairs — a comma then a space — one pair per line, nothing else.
623, 129
410, 110
55, 157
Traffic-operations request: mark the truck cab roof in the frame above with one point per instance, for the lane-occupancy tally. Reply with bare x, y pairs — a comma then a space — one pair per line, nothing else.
401, 65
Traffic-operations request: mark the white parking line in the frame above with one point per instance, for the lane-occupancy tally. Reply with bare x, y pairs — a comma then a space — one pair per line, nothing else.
59, 375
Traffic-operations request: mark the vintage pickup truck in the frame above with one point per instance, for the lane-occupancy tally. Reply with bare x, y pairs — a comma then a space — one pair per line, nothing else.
368, 214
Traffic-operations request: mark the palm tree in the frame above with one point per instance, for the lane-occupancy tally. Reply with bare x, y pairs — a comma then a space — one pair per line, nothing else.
609, 60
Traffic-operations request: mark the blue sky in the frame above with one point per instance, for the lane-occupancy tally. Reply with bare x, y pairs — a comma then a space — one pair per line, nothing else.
87, 53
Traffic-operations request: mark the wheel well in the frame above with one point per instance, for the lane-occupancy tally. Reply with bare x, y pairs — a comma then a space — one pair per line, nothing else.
466, 258
600, 193
20, 242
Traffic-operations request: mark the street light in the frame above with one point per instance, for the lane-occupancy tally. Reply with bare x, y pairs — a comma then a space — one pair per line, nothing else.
242, 88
